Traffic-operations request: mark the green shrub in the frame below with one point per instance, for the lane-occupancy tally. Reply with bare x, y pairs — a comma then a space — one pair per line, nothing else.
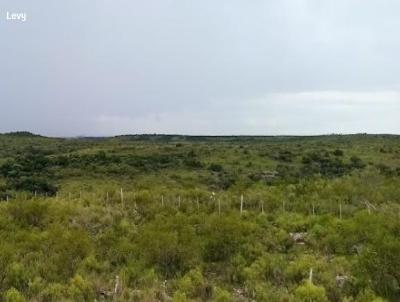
13, 295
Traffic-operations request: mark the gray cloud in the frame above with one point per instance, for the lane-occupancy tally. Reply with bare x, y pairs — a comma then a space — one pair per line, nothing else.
200, 67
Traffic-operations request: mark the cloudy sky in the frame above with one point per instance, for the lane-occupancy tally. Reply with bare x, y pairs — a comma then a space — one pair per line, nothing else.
106, 67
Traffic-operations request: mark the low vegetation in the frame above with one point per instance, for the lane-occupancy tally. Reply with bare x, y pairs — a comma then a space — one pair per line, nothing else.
175, 218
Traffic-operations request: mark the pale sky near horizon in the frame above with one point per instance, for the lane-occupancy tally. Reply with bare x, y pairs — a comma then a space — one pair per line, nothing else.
227, 67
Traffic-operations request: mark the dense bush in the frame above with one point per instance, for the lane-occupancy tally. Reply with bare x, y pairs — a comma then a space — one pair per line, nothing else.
29, 173
215, 167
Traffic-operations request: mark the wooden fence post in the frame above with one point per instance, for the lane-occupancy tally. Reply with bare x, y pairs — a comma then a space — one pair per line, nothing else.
116, 287
241, 204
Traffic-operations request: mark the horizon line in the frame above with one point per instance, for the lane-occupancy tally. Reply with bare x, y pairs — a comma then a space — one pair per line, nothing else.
27, 133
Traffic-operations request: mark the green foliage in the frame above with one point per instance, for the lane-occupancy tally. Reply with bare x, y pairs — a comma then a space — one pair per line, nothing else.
29, 172
13, 295
215, 167
179, 297
170, 252
177, 233
222, 295
225, 235
80, 289
310, 292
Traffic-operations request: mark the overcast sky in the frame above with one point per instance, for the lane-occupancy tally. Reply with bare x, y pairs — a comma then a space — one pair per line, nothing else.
107, 67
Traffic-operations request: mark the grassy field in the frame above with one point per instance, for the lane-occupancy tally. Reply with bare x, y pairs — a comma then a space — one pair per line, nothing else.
181, 218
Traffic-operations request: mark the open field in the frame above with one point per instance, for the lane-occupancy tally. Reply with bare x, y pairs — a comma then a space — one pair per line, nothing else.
180, 218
